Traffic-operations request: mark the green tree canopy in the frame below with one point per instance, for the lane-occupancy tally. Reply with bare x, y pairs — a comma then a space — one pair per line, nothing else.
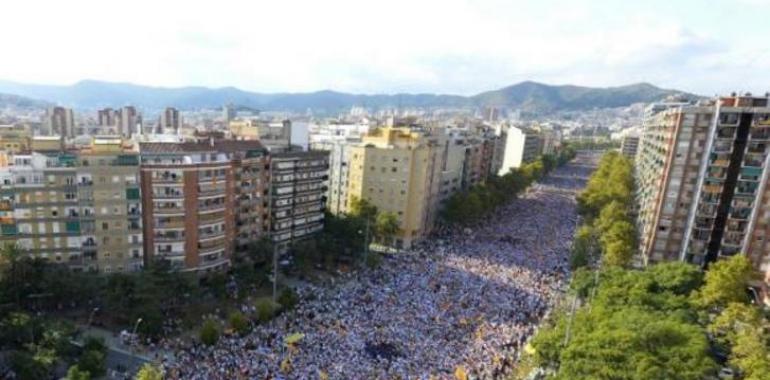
726, 281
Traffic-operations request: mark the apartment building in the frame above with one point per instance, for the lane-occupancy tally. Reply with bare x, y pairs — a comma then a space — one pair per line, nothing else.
338, 148
188, 196
251, 171
59, 121
399, 170
521, 145
702, 181
297, 194
629, 144
170, 121
78, 208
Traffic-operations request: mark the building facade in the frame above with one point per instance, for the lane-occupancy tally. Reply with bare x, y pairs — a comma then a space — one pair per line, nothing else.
81, 209
399, 171
297, 197
520, 146
702, 182
188, 198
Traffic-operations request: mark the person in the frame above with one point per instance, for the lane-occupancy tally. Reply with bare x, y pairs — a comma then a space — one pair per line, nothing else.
468, 297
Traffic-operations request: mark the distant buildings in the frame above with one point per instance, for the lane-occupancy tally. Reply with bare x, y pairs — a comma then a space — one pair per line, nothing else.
629, 143
521, 145
170, 121
702, 181
59, 121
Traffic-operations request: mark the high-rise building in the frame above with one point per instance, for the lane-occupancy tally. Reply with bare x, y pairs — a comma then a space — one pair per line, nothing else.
170, 121
338, 148
629, 144
128, 121
80, 209
521, 146
187, 197
107, 117
399, 171
228, 113
297, 194
251, 170
702, 181
59, 121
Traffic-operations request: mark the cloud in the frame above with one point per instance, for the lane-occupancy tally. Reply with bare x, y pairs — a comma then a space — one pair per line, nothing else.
452, 46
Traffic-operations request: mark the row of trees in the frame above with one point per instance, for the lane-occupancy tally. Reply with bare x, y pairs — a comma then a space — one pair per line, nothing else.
605, 206
34, 346
668, 321
468, 207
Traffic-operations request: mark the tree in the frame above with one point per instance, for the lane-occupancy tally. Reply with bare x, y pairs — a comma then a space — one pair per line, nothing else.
27, 366
386, 226
584, 247
266, 308
726, 281
261, 251
93, 362
149, 372
734, 319
288, 298
750, 354
362, 208
305, 254
209, 333
75, 373
618, 244
238, 322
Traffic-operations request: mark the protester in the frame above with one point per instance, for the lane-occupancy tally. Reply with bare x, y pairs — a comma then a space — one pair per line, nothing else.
468, 297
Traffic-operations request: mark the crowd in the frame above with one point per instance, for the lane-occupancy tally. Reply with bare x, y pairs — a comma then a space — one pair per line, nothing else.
467, 298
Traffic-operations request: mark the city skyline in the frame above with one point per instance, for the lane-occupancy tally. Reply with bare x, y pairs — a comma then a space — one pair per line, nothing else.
455, 47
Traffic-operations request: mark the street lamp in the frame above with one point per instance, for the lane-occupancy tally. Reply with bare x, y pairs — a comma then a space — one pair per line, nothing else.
133, 334
91, 316
138, 321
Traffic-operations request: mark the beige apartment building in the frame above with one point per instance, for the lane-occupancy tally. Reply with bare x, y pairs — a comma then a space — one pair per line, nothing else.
78, 208
702, 181
399, 170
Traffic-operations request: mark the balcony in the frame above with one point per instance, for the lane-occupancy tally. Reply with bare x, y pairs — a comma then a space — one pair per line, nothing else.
740, 213
169, 211
167, 179
723, 147
712, 189
760, 134
707, 210
726, 132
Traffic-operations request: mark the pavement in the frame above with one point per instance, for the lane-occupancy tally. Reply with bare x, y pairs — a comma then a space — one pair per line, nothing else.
122, 361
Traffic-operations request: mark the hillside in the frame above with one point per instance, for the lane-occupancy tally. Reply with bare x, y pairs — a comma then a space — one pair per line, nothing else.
527, 96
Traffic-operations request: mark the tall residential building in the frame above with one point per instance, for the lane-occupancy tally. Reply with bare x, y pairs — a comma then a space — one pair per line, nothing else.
59, 121
702, 181
127, 120
80, 209
107, 117
399, 170
251, 170
187, 197
521, 146
170, 121
338, 148
229, 113
629, 144
297, 194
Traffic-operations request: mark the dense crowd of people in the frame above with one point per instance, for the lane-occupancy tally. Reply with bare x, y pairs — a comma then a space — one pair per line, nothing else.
467, 298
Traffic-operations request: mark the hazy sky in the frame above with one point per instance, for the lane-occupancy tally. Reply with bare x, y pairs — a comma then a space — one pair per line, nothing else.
450, 46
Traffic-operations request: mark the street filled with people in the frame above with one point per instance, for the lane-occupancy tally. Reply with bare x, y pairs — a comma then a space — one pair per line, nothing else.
464, 301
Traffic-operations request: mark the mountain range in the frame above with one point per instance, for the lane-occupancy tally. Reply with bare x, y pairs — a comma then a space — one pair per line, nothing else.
527, 96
